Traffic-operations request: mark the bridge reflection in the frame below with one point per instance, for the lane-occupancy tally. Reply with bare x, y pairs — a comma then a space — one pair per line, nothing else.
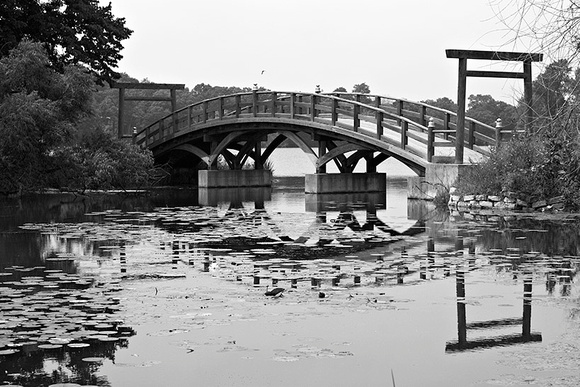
342, 206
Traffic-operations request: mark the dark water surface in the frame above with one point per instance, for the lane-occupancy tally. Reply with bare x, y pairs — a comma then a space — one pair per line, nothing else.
378, 290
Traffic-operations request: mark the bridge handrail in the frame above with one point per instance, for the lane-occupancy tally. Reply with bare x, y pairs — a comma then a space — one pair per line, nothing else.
492, 135
336, 106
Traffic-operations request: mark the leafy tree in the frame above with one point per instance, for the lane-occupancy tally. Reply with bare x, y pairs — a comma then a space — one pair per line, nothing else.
486, 109
47, 135
340, 90
99, 161
73, 32
361, 88
442, 102
38, 110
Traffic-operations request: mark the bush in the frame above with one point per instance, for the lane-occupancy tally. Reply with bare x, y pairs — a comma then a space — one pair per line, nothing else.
100, 161
531, 167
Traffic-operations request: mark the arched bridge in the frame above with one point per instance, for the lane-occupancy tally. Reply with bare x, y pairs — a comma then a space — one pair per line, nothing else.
345, 128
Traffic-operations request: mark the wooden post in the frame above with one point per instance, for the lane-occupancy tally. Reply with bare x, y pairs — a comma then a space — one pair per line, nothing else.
430, 139
204, 112
461, 91
404, 129
461, 315
273, 103
221, 108
321, 152
527, 313
498, 128
399, 110
173, 97
528, 94
355, 113
258, 164
292, 105
334, 112
238, 105
255, 103
189, 117
422, 117
446, 122
380, 117
471, 139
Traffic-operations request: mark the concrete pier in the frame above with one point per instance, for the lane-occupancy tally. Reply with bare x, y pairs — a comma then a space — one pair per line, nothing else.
322, 183
438, 177
234, 178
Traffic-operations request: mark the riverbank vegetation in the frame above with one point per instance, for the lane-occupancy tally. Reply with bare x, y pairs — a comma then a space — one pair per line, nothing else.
49, 72
48, 139
544, 162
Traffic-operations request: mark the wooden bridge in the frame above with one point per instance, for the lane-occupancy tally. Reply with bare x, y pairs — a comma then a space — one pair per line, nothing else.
345, 127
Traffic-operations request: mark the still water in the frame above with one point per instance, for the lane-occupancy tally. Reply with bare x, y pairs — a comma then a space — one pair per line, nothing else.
167, 289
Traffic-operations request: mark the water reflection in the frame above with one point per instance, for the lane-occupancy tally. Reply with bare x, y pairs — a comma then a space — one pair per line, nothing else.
463, 343
333, 244
57, 326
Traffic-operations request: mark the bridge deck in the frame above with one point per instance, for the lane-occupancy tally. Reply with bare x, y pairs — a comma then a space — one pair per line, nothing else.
413, 132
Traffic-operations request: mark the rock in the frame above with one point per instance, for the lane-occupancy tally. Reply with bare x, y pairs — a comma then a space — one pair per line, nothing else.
556, 200
480, 197
486, 204
494, 198
539, 204
509, 200
468, 198
509, 206
522, 204
455, 198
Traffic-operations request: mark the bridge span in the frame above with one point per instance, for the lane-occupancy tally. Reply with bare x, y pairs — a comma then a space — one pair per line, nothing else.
244, 129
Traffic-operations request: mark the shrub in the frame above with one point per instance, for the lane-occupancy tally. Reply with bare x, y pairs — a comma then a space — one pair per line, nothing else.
533, 167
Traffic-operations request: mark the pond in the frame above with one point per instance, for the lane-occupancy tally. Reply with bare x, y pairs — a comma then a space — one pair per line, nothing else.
169, 289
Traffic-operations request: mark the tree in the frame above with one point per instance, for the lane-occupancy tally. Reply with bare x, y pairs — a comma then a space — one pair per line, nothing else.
73, 32
340, 90
361, 88
100, 161
443, 103
38, 110
486, 109
47, 139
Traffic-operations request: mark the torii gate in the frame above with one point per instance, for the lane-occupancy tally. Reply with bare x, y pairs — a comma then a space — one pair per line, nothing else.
156, 86
526, 75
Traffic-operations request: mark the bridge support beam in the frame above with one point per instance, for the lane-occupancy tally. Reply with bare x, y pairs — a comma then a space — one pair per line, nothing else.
229, 178
438, 179
319, 183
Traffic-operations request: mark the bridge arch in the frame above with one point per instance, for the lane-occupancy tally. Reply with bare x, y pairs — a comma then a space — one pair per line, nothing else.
345, 128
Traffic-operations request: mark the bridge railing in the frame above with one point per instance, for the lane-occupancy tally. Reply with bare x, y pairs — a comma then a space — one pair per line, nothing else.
478, 136
399, 122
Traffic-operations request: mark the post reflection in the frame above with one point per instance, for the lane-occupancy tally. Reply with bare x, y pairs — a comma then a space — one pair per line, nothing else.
464, 344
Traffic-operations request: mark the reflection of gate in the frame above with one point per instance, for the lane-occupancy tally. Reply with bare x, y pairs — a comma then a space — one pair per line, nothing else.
463, 344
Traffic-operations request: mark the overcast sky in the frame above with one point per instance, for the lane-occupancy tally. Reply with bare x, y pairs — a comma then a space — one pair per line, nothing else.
397, 47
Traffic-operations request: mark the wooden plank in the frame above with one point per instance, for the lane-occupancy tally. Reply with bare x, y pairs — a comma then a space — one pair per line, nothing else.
161, 99
134, 85
494, 55
495, 74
